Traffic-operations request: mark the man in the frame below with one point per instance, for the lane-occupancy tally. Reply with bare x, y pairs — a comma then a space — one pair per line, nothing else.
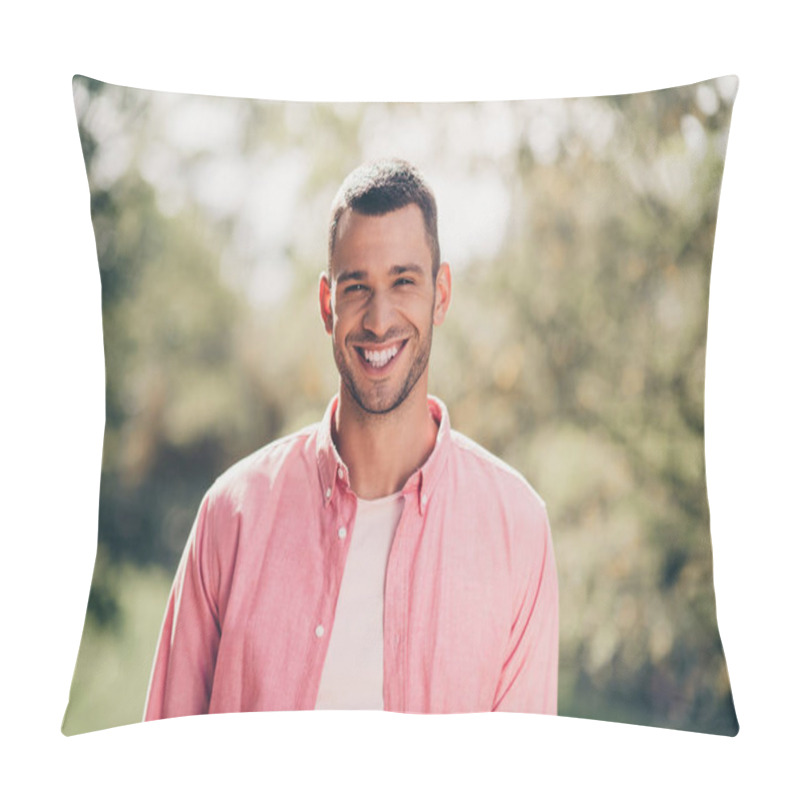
377, 559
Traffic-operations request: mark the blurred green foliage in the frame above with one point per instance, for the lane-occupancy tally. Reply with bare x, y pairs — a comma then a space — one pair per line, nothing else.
574, 349
114, 661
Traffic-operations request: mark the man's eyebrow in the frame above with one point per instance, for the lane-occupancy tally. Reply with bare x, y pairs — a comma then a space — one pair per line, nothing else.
361, 275
352, 275
399, 269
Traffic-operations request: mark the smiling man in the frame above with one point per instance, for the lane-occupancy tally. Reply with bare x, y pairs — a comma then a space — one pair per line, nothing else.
377, 559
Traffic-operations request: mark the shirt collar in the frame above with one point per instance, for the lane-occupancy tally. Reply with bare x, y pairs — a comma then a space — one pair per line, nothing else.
333, 473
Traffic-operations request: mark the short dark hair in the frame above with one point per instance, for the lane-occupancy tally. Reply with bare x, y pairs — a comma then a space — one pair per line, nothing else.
379, 187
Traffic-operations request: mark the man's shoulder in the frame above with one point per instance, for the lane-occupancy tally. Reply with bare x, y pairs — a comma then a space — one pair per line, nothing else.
262, 468
493, 472
498, 502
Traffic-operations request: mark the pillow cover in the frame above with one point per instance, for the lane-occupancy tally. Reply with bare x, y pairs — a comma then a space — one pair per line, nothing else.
580, 235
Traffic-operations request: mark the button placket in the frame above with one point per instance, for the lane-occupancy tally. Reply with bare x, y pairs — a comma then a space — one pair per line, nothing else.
396, 604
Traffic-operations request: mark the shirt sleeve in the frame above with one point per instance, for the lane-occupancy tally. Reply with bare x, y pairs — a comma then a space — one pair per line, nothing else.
183, 669
529, 679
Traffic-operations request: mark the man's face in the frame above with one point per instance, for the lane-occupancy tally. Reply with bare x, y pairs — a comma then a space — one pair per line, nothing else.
380, 304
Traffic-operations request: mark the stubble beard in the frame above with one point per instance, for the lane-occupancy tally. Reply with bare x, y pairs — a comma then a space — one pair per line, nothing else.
382, 405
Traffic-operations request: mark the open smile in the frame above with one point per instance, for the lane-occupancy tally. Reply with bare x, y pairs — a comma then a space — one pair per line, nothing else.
377, 360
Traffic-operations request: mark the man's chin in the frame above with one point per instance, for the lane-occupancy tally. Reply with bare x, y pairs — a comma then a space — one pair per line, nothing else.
378, 407
375, 403
379, 398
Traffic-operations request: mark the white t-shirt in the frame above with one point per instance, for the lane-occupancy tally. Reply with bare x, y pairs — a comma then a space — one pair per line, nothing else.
352, 676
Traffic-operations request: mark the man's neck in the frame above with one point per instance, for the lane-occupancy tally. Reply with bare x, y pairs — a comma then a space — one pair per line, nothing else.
382, 451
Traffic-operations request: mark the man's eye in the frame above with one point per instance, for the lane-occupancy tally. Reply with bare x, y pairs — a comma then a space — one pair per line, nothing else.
404, 282
354, 287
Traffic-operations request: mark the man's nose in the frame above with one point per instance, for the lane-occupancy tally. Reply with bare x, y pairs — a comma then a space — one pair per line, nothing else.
379, 314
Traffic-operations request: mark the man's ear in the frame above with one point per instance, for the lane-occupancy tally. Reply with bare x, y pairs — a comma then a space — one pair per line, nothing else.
325, 308
444, 289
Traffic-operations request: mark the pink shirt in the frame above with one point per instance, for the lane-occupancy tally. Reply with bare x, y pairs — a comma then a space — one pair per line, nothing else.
470, 601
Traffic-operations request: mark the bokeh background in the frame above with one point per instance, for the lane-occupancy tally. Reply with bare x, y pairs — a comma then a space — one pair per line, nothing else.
580, 235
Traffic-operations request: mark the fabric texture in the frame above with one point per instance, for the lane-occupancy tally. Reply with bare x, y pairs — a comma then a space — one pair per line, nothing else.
471, 596
353, 673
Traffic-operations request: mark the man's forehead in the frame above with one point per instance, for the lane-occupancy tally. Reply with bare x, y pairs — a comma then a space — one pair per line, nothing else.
409, 214
403, 229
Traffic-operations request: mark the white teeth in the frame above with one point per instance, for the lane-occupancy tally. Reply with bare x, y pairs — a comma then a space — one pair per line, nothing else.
380, 358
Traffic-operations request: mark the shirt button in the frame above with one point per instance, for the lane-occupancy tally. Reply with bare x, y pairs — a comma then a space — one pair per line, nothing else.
342, 533
424, 498
328, 492
319, 631
340, 472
